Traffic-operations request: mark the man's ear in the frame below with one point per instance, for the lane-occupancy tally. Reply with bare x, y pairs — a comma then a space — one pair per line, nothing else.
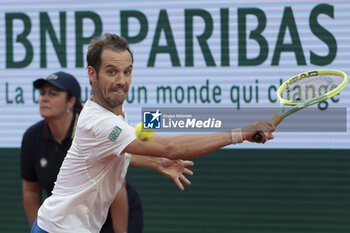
92, 74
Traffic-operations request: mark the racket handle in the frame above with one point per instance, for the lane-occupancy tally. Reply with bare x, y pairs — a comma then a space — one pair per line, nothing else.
259, 136
275, 120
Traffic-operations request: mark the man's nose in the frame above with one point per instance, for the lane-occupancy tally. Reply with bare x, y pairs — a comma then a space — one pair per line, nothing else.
120, 79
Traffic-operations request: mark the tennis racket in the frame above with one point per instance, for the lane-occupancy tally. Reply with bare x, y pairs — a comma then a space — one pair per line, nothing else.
306, 89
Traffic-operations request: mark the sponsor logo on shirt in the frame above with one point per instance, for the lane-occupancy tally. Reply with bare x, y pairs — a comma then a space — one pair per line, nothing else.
115, 134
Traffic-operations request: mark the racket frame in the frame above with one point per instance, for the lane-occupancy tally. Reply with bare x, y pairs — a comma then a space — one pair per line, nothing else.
311, 74
277, 119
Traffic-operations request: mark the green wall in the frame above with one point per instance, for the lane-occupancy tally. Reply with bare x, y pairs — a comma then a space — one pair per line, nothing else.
241, 191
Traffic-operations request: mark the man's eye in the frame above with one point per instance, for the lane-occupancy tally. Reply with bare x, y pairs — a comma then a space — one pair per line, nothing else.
111, 72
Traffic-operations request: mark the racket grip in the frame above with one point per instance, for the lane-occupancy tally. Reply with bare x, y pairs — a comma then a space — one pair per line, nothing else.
259, 136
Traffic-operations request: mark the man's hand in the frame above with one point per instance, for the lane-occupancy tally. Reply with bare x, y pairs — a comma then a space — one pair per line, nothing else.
175, 170
263, 126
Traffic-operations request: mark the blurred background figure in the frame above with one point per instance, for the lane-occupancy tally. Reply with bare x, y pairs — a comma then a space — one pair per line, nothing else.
45, 145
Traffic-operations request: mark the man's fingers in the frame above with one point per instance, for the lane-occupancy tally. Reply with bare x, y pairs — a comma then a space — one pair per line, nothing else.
188, 163
184, 179
188, 171
266, 126
268, 136
178, 183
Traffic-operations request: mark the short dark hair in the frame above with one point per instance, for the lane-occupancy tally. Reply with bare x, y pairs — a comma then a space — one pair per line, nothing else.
106, 41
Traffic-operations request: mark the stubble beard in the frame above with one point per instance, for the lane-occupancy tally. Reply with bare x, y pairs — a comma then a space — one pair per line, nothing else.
112, 103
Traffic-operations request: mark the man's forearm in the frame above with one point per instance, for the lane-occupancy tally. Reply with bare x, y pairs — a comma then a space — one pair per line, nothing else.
191, 146
145, 161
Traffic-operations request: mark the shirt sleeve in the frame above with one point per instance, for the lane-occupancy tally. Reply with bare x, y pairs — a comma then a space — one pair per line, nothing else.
27, 157
113, 135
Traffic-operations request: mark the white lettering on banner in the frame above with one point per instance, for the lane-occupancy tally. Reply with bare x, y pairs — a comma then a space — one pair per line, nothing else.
192, 123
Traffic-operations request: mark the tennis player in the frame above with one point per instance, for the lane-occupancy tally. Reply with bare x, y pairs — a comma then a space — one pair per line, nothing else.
104, 145
45, 144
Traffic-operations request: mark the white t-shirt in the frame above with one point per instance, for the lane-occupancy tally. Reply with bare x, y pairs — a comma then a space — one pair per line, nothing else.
91, 174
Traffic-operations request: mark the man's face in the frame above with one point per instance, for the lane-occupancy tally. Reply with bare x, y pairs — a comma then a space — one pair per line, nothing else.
114, 77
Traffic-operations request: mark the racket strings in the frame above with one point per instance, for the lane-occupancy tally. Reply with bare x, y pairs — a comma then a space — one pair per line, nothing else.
311, 88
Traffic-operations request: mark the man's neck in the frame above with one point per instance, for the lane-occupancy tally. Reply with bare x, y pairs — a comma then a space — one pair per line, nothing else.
116, 110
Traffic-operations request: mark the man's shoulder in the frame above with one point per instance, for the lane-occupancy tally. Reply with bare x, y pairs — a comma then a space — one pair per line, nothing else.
100, 120
94, 112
